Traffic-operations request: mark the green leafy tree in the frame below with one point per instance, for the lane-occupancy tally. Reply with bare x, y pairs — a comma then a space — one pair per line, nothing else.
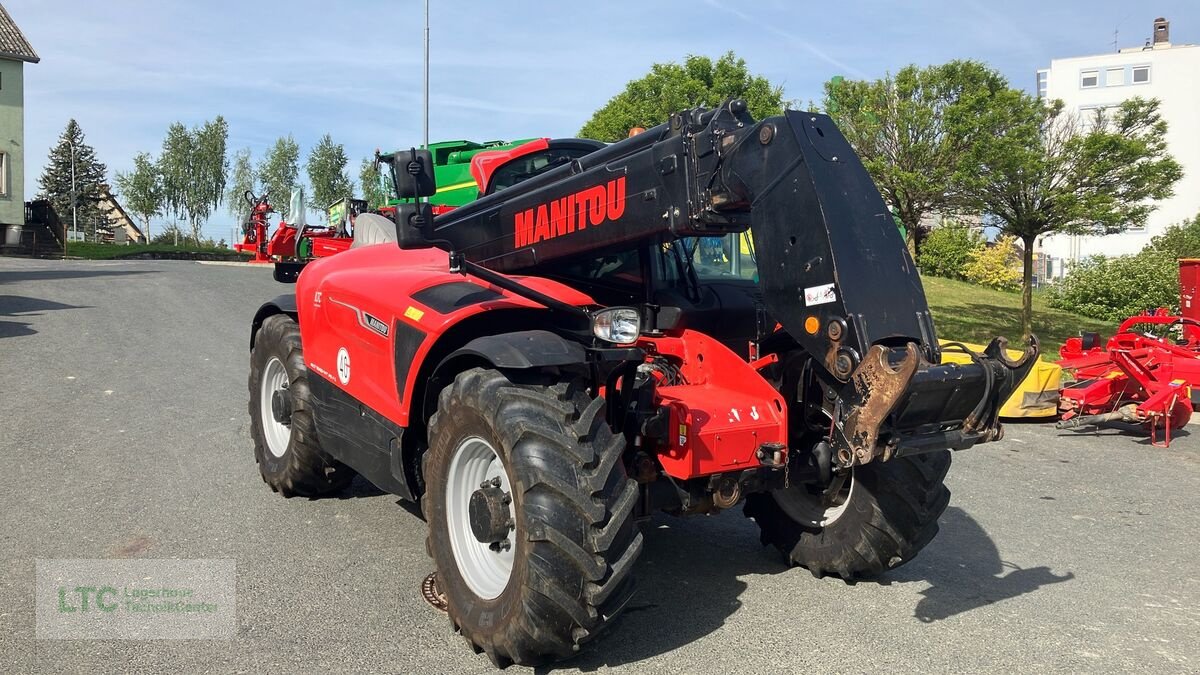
995, 266
174, 166
369, 178
1181, 240
1042, 171
141, 189
671, 87
279, 169
911, 131
242, 179
948, 249
194, 168
72, 156
326, 168
209, 170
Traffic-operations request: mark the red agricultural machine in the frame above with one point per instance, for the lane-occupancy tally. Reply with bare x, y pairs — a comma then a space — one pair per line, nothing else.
289, 242
593, 340
1146, 374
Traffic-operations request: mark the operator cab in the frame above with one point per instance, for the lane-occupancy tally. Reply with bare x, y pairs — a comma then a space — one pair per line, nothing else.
712, 281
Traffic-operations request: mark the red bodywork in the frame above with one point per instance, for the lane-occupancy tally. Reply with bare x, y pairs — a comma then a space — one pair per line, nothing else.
484, 164
719, 418
1153, 374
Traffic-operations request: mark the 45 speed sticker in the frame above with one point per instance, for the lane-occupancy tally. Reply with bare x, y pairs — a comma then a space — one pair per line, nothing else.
343, 366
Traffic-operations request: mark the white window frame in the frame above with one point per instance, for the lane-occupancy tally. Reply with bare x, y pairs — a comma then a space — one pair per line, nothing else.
1093, 73
4, 174
1043, 83
1110, 81
1133, 74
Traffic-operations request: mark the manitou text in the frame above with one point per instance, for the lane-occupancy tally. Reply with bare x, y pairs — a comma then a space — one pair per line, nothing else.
565, 215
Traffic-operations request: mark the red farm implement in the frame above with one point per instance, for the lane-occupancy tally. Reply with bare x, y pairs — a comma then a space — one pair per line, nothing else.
289, 242
1145, 374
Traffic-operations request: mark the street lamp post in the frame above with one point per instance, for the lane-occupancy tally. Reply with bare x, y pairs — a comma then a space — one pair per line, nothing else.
74, 197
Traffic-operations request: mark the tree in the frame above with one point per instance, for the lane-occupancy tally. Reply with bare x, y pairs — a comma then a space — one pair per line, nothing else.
193, 168
174, 166
327, 172
84, 189
279, 169
912, 130
1043, 171
141, 189
369, 177
671, 87
209, 170
995, 265
948, 249
242, 179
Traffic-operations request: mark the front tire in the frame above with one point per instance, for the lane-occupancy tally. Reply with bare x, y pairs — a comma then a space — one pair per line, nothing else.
289, 456
885, 515
553, 568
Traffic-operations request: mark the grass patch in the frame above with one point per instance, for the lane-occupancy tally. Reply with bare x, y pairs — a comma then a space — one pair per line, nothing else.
976, 314
94, 251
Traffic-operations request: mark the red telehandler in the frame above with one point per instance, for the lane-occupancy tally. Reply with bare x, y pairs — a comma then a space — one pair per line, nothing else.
545, 366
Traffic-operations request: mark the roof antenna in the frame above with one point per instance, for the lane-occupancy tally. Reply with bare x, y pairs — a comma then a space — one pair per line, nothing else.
426, 126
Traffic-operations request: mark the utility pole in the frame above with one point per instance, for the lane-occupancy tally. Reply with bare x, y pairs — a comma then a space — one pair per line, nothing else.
426, 73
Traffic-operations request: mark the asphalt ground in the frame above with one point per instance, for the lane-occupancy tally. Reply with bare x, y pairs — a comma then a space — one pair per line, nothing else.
124, 434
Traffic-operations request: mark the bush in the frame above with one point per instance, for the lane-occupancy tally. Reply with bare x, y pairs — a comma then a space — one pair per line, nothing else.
947, 251
1117, 288
995, 266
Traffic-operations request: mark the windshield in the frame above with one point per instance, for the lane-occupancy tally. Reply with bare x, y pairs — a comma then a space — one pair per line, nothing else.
727, 258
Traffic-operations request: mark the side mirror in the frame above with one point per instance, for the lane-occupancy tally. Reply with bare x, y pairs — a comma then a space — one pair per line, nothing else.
414, 226
412, 173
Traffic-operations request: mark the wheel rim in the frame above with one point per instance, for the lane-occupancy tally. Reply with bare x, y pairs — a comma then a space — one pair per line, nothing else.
485, 567
806, 507
276, 433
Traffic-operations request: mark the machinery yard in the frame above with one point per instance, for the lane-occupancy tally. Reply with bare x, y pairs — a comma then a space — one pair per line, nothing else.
126, 434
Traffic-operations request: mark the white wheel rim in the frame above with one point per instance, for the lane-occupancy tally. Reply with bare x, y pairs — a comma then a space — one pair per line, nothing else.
277, 434
485, 570
807, 509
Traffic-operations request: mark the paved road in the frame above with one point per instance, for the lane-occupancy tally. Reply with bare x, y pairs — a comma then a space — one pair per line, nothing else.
123, 430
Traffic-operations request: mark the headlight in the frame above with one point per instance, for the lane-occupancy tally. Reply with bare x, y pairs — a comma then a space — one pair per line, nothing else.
620, 325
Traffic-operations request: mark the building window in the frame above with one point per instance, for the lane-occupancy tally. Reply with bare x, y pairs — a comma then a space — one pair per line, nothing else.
1043, 83
1089, 79
3, 174
1141, 74
1114, 77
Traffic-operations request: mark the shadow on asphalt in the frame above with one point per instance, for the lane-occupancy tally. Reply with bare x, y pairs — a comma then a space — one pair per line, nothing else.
688, 583
965, 571
12, 276
688, 586
20, 306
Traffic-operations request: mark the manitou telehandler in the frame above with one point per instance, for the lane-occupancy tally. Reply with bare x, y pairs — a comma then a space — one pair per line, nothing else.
548, 364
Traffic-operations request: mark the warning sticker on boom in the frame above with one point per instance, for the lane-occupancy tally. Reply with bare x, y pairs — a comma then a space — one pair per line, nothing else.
819, 295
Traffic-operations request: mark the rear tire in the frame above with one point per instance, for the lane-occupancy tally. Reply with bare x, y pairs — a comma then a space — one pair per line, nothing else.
289, 456
572, 534
889, 515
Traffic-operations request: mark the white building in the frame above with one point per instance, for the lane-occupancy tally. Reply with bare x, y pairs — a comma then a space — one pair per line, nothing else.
1162, 70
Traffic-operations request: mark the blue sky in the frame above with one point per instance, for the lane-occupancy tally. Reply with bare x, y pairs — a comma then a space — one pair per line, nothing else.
125, 69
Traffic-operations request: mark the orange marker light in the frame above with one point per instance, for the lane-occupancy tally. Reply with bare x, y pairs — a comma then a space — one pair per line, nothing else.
812, 324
